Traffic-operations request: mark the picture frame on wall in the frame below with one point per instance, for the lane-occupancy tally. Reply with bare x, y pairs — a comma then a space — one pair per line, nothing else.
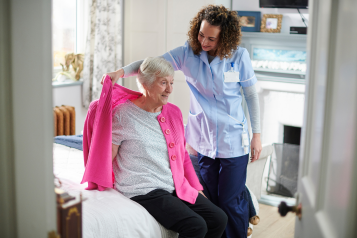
249, 20
271, 23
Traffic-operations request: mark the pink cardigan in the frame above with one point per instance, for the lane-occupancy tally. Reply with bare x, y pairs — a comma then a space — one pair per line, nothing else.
97, 143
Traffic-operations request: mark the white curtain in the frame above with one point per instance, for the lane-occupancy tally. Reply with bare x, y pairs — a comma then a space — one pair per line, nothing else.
103, 46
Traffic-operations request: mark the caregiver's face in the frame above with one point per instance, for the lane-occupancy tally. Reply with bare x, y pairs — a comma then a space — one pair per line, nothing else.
208, 36
161, 89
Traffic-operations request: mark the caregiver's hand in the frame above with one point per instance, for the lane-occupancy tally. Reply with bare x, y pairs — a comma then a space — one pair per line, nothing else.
191, 150
201, 192
114, 76
256, 146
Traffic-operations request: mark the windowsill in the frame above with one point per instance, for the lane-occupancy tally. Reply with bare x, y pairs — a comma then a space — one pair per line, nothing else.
56, 70
66, 83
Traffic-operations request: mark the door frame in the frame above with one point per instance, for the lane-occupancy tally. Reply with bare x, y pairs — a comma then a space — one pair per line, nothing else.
29, 119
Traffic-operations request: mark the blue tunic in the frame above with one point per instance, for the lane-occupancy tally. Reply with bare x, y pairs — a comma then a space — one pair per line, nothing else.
216, 118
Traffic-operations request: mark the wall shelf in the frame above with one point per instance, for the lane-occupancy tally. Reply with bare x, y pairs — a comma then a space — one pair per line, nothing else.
274, 36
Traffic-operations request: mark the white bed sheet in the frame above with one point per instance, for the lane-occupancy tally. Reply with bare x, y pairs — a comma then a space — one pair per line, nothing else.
106, 214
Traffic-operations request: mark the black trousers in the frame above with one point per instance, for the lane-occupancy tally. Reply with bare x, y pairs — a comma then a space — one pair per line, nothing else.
202, 219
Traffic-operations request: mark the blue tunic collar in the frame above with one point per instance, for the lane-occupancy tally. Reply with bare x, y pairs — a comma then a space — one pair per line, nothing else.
204, 58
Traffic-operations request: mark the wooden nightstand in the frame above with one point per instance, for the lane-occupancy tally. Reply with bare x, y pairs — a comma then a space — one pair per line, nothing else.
69, 214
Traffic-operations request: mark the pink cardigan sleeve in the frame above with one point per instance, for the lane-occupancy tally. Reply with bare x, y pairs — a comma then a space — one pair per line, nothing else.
97, 141
97, 135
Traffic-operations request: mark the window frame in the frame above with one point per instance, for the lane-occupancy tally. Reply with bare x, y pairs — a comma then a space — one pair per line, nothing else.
82, 21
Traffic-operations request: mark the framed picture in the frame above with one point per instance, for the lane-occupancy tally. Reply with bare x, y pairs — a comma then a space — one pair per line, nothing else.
249, 21
271, 23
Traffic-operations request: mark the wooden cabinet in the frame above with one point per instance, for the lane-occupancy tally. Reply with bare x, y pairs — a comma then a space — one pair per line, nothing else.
69, 215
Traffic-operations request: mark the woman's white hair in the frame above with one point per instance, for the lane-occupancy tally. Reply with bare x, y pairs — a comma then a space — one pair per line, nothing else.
151, 69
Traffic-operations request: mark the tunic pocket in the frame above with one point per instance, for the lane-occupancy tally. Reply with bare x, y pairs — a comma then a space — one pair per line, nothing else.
193, 129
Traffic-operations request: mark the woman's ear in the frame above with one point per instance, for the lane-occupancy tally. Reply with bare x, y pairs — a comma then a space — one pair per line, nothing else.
145, 87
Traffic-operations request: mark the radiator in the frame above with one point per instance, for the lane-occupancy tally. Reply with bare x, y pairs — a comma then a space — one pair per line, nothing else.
64, 120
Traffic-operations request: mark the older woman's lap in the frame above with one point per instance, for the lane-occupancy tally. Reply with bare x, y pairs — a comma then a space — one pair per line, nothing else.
202, 219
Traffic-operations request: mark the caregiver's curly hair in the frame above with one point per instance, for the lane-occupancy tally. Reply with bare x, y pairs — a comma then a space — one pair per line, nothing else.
230, 34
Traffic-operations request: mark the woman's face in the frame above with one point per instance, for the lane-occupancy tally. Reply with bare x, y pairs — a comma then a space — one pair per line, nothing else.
160, 90
208, 36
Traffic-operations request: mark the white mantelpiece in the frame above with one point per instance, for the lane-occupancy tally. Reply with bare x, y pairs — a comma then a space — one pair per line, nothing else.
280, 104
281, 94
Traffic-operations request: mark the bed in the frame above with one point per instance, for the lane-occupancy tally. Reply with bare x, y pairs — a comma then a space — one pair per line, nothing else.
108, 213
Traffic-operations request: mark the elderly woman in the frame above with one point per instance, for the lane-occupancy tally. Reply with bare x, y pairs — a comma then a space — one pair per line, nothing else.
150, 163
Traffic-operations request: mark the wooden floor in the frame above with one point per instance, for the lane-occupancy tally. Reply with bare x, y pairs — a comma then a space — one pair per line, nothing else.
272, 225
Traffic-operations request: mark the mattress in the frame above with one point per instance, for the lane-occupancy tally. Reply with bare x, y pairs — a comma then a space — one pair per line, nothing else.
106, 214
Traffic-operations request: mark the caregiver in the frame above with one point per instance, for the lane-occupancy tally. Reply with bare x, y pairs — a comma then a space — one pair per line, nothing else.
216, 68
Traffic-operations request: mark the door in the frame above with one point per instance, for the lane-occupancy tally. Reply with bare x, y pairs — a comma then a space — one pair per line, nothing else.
327, 176
27, 198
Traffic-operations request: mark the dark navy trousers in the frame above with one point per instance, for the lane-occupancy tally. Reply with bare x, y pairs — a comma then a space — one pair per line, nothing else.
225, 179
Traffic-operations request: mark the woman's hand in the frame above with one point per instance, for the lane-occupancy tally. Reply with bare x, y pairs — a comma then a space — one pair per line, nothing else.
256, 147
114, 76
202, 193
115, 149
191, 150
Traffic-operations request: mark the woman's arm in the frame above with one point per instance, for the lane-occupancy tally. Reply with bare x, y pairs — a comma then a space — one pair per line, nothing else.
191, 150
126, 71
251, 97
132, 69
175, 57
252, 100
114, 150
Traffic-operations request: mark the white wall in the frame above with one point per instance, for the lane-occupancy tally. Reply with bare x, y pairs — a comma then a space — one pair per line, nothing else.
155, 27
226, 3
72, 96
291, 17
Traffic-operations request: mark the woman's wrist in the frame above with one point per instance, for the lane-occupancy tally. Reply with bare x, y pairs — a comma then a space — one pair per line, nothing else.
256, 135
120, 72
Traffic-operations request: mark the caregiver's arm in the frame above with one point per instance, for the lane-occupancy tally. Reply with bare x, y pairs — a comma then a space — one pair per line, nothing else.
114, 151
175, 57
252, 100
132, 69
126, 71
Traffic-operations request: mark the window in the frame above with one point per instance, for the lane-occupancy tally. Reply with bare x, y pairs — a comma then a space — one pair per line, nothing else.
69, 21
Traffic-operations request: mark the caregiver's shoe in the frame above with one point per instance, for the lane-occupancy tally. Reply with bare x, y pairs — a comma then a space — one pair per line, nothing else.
254, 220
250, 231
